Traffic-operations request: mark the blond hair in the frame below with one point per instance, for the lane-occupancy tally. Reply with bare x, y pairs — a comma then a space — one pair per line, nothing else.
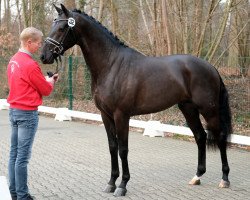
30, 33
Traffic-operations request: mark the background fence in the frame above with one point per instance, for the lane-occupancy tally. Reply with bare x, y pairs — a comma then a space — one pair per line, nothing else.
73, 90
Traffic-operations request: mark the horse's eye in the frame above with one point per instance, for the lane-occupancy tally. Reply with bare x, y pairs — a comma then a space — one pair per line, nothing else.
61, 29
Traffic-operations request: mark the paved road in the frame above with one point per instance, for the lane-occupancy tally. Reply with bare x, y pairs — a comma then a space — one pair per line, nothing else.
71, 161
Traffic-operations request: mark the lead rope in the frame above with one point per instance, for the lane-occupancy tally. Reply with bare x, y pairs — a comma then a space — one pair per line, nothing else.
49, 73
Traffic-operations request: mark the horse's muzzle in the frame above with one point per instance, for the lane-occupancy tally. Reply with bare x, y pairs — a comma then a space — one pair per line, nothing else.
45, 60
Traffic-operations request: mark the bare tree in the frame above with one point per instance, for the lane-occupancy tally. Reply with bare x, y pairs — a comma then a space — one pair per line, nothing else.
19, 16
100, 12
81, 4
149, 34
166, 27
25, 4
0, 13
243, 23
213, 5
7, 15
132, 29
219, 35
197, 24
70, 4
38, 14
114, 16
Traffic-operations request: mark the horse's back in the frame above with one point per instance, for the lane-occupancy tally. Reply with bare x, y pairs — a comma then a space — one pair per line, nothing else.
191, 63
162, 82
193, 71
181, 69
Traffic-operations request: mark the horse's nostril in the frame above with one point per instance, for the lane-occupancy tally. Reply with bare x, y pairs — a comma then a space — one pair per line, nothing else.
42, 57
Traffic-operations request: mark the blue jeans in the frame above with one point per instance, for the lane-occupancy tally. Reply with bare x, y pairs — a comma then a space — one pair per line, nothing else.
23, 129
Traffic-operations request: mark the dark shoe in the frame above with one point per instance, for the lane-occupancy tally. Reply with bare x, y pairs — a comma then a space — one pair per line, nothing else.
13, 197
30, 197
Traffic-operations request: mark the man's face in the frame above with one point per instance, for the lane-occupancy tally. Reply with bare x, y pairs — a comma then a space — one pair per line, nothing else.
34, 45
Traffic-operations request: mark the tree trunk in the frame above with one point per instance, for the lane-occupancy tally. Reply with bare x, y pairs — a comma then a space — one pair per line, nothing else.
212, 8
25, 13
233, 53
197, 23
166, 27
70, 4
100, 12
7, 15
19, 17
133, 23
155, 27
220, 32
81, 4
0, 13
38, 14
146, 25
243, 20
114, 17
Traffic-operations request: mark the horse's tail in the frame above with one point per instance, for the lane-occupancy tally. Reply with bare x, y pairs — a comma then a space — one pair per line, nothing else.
225, 120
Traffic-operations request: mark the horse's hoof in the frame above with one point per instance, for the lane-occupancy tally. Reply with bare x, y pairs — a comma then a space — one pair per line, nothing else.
224, 184
195, 181
120, 192
109, 188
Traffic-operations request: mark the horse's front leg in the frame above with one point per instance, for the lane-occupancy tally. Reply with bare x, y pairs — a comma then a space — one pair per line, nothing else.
122, 129
113, 148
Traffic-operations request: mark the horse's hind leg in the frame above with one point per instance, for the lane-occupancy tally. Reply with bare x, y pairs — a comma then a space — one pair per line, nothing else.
113, 148
217, 138
225, 167
191, 115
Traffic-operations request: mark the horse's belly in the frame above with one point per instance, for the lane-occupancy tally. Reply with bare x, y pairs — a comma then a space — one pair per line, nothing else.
158, 102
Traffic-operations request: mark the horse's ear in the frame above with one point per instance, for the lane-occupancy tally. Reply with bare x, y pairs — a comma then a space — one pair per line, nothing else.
57, 9
65, 10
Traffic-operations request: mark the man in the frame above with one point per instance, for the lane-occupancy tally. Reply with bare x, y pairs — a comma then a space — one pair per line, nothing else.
27, 85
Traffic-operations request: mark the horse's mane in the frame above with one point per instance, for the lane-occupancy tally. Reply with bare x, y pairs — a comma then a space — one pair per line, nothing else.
101, 26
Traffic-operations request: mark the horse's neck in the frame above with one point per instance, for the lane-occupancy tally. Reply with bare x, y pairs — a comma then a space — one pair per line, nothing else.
97, 55
101, 50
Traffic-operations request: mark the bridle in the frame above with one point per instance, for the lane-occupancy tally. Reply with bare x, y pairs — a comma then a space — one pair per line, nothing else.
58, 46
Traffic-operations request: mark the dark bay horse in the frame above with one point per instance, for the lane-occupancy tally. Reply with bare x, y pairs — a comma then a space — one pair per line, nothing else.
126, 83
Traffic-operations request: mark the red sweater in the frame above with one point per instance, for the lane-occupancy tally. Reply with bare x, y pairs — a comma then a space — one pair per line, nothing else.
26, 83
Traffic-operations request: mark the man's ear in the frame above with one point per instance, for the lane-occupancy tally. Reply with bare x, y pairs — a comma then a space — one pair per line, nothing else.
29, 41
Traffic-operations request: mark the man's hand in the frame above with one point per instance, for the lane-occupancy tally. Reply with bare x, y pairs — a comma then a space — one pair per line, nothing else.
55, 77
52, 79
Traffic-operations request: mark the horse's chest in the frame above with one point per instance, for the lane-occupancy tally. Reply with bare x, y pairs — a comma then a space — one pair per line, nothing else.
104, 99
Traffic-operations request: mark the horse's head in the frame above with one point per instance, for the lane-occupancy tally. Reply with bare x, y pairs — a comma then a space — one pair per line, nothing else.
61, 36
